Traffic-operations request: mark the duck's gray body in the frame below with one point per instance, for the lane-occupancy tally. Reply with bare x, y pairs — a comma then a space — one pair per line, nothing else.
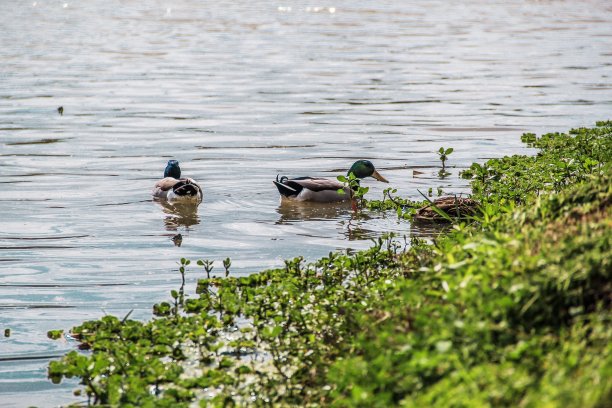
315, 189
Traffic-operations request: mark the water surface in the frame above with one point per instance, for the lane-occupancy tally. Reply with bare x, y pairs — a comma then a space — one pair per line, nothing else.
239, 92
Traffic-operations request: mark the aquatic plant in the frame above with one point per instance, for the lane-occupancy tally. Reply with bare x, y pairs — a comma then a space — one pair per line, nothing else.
356, 191
226, 265
403, 207
509, 308
208, 266
443, 155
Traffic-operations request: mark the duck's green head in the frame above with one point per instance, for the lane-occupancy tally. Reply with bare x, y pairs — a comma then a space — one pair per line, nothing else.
173, 169
364, 168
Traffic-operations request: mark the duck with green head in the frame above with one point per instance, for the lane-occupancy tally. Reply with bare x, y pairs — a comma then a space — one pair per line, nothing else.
324, 190
174, 188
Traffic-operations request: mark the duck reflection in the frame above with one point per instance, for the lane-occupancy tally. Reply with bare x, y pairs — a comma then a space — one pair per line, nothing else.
296, 211
179, 214
349, 222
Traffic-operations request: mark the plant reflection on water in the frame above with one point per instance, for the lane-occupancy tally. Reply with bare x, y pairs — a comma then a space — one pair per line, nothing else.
295, 212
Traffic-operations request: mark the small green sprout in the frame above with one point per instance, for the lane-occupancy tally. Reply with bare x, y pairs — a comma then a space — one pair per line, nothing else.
444, 153
226, 264
356, 191
208, 266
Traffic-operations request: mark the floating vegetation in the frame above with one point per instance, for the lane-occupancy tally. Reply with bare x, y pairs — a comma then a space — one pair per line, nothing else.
511, 307
55, 334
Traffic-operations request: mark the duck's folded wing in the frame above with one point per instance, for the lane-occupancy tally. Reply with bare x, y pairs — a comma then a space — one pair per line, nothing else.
317, 183
166, 184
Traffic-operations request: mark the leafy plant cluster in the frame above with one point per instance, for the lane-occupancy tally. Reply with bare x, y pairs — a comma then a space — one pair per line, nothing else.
511, 310
403, 207
562, 160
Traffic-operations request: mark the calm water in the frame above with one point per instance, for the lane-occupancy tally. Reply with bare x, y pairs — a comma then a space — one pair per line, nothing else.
239, 93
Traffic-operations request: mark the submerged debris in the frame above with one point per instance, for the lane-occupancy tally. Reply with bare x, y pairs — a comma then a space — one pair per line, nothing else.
177, 239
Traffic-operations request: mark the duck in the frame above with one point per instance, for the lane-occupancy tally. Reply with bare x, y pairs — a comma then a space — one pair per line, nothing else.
323, 190
174, 188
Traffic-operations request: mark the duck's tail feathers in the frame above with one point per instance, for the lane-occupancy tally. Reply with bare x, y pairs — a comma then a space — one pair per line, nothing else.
186, 189
285, 189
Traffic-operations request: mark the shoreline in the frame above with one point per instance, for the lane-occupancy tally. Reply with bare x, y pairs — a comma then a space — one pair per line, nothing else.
509, 307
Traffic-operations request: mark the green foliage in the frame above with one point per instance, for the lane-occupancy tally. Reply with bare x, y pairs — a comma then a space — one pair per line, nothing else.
355, 190
511, 310
563, 160
404, 208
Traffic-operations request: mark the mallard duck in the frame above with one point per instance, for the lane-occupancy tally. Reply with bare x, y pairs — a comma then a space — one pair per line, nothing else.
321, 189
174, 188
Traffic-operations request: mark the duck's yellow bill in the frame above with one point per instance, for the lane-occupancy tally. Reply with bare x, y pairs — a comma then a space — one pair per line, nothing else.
378, 177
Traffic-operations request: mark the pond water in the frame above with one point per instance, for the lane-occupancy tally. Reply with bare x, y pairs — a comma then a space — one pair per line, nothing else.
239, 92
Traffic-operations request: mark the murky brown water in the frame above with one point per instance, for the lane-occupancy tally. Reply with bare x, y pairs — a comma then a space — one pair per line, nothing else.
239, 92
